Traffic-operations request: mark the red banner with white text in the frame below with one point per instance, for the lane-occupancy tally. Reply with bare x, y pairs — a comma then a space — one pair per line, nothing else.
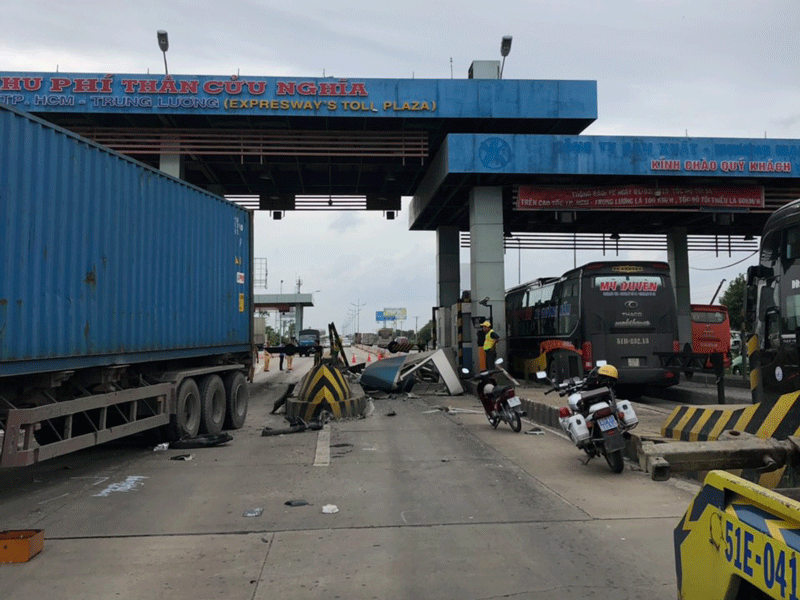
633, 196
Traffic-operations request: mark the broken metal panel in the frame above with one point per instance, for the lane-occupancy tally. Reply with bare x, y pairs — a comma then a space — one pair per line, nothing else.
399, 373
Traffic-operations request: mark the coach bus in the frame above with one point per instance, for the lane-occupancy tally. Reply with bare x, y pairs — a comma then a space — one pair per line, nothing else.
772, 307
619, 312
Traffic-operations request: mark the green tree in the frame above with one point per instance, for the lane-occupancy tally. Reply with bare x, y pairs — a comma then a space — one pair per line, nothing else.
273, 339
733, 299
426, 333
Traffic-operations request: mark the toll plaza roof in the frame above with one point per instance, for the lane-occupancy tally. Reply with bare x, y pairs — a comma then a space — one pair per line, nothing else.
276, 138
581, 183
282, 301
289, 143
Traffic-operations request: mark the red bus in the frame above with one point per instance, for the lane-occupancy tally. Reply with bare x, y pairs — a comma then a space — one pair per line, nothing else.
711, 330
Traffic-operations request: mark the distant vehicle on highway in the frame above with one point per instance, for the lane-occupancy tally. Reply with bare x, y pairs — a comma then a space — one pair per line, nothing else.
736, 365
307, 340
711, 330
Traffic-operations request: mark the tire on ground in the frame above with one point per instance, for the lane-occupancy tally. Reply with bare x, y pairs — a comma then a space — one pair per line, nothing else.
185, 423
212, 399
237, 397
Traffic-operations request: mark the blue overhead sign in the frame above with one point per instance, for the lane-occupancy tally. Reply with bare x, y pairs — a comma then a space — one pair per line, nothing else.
381, 316
328, 97
621, 155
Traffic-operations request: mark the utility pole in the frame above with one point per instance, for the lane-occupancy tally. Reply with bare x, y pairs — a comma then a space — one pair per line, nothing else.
358, 306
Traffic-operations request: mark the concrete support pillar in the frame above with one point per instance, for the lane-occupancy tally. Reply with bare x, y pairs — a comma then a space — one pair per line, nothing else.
487, 277
448, 277
298, 319
678, 257
171, 164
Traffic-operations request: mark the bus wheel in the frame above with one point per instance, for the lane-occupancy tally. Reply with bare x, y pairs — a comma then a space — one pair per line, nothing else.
552, 371
212, 399
237, 396
185, 423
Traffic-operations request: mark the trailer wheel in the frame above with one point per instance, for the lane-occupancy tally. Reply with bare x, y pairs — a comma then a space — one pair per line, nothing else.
212, 401
238, 396
185, 423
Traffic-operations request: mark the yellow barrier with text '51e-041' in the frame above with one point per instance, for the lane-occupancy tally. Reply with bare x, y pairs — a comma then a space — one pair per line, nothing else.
738, 540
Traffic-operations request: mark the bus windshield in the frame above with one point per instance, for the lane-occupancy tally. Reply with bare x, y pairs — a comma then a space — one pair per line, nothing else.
624, 303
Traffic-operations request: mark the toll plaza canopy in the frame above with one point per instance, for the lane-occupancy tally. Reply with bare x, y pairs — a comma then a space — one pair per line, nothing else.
360, 144
356, 143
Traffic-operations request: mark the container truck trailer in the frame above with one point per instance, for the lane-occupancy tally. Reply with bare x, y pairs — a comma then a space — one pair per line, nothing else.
126, 298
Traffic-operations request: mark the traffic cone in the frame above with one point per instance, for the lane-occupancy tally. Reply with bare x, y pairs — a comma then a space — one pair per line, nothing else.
369, 358
354, 358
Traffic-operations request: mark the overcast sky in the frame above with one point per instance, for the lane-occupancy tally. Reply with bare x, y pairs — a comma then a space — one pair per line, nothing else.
663, 67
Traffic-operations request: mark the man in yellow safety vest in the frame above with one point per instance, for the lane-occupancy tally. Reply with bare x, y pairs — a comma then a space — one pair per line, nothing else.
489, 344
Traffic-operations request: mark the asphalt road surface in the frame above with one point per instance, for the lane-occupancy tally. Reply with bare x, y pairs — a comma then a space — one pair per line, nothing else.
431, 504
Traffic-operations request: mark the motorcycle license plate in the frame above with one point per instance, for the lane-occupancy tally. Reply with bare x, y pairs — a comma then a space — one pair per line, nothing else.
512, 402
607, 423
633, 362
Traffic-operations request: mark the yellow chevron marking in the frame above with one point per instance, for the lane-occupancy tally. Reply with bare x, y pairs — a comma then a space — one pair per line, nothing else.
754, 377
776, 415
752, 345
695, 433
685, 419
330, 379
745, 417
717, 429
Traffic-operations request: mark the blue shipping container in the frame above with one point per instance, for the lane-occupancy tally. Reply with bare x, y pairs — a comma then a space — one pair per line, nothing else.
107, 261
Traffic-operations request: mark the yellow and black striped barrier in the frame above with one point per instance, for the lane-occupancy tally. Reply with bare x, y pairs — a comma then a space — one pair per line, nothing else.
777, 419
324, 388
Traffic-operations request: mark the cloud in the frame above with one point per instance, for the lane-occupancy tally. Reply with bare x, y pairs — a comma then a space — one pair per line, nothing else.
346, 221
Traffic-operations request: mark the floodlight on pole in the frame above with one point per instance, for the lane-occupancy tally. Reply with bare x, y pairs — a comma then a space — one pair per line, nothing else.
505, 48
163, 43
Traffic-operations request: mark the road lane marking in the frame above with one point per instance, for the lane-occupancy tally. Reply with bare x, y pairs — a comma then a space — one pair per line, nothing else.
323, 455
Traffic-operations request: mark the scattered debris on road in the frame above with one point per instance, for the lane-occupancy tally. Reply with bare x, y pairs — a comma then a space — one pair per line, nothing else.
182, 457
296, 503
535, 431
253, 512
161, 447
330, 509
208, 440
296, 425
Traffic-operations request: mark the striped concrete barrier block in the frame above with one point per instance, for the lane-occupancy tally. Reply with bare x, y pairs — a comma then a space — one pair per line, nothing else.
325, 388
777, 419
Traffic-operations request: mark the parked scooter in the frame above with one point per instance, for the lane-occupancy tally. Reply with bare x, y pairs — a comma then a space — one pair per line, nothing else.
595, 421
500, 403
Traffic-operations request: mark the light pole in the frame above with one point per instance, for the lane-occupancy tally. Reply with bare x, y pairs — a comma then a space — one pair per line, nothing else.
505, 48
163, 43
358, 307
